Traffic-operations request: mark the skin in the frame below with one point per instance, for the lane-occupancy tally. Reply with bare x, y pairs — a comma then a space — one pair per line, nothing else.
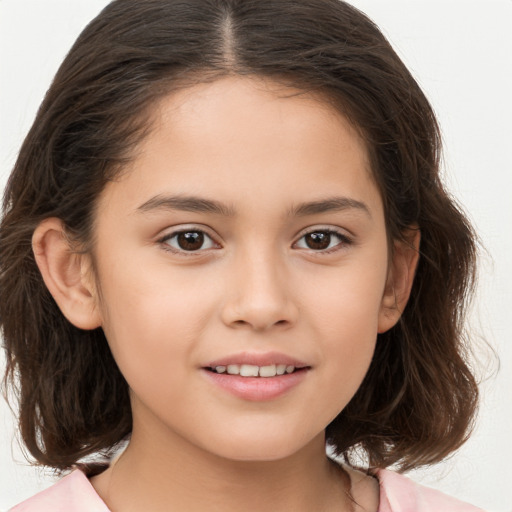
254, 286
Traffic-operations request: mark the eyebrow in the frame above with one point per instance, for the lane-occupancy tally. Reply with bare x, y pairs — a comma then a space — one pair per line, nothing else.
203, 205
186, 204
332, 204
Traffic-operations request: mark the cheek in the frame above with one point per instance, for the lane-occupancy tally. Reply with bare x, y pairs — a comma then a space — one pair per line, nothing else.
347, 300
345, 317
152, 321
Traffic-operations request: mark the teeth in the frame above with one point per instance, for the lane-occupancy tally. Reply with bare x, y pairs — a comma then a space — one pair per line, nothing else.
280, 369
268, 371
233, 369
250, 370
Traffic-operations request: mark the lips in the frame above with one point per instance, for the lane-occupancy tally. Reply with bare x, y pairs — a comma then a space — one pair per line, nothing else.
256, 377
250, 370
257, 359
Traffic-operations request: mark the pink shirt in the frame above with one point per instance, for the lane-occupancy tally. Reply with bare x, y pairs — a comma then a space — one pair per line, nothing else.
74, 493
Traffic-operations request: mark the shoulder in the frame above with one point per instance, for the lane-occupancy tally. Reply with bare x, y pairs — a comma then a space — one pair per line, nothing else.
400, 494
73, 493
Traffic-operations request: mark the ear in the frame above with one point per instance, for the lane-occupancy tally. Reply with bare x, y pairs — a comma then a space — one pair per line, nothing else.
66, 274
401, 273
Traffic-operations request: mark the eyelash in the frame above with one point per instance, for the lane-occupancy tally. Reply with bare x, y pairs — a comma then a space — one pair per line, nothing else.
165, 241
343, 241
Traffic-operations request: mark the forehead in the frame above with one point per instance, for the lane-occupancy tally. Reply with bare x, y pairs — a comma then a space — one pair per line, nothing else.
247, 104
239, 136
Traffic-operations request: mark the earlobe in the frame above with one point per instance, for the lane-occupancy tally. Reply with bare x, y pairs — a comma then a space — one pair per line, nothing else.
401, 274
65, 274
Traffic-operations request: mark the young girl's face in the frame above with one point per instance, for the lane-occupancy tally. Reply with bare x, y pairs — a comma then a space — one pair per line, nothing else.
248, 233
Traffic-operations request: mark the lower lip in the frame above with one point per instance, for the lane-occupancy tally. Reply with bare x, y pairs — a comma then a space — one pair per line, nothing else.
257, 389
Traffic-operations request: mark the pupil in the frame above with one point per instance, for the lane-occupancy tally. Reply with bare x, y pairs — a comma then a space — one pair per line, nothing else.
318, 241
190, 240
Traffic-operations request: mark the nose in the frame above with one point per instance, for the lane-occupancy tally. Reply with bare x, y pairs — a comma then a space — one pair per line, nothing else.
259, 295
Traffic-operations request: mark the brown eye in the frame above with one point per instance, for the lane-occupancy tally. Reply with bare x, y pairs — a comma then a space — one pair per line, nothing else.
189, 241
322, 240
318, 241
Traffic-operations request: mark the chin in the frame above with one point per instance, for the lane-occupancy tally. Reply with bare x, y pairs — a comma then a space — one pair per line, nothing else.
264, 447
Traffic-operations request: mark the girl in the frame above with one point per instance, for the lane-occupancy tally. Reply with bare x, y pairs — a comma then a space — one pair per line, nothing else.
224, 247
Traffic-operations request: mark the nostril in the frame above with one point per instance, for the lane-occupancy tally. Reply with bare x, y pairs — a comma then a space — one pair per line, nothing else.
258, 315
260, 325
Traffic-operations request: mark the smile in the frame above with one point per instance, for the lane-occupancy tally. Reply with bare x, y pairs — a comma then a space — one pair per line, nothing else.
257, 376
249, 370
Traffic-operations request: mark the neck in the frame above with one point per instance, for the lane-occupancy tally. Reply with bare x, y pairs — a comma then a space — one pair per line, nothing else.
158, 476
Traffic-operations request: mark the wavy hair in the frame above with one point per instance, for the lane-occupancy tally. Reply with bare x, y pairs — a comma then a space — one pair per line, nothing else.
419, 396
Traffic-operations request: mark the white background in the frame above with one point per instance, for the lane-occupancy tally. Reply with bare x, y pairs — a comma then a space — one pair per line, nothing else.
461, 53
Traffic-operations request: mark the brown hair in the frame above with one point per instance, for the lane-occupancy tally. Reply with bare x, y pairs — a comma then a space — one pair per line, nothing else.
418, 398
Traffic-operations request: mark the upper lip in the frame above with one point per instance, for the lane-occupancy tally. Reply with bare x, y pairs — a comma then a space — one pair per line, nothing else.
257, 359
